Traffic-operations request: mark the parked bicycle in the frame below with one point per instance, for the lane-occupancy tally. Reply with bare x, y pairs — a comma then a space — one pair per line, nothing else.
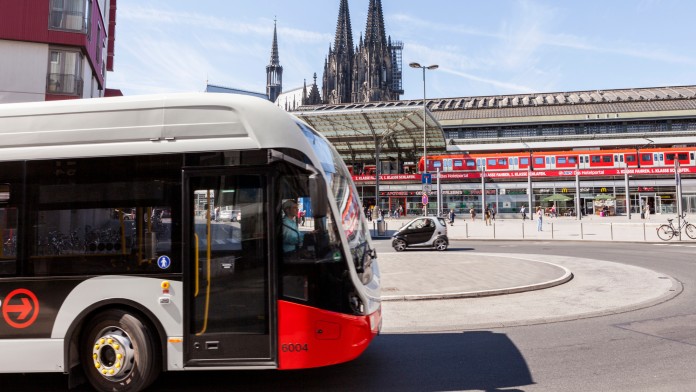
668, 231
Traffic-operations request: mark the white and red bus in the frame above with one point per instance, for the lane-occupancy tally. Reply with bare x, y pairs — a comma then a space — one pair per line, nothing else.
114, 262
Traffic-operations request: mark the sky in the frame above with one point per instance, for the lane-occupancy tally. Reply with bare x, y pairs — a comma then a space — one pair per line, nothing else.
482, 48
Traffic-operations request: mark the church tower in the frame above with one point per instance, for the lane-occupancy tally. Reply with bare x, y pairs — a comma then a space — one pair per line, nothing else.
274, 71
369, 72
337, 83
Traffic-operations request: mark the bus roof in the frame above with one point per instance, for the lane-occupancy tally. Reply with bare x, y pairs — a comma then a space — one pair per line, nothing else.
144, 124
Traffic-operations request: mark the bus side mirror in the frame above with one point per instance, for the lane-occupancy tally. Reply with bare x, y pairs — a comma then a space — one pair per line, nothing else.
317, 193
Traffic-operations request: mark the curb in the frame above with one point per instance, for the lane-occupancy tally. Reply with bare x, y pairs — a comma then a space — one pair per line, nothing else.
567, 276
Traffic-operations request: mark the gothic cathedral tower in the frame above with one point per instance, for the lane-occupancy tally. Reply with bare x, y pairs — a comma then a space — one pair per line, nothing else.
371, 71
274, 71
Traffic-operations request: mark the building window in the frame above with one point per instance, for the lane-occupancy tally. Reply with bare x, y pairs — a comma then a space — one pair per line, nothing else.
73, 15
64, 72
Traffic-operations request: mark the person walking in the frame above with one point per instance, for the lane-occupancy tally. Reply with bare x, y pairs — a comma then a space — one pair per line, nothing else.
523, 211
472, 212
487, 216
451, 217
540, 217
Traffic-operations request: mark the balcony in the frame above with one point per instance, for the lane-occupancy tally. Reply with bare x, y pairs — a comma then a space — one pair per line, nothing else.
67, 84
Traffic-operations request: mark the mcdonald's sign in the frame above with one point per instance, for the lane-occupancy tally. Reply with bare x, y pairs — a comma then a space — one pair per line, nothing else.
602, 190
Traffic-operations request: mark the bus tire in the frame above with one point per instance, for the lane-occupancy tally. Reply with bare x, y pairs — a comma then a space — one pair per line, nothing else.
118, 352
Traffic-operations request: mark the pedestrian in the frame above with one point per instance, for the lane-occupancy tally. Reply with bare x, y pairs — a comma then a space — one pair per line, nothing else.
523, 211
487, 216
540, 217
493, 212
642, 212
472, 212
451, 217
553, 210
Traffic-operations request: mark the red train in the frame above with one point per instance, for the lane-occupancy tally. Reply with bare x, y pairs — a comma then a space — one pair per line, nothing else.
583, 159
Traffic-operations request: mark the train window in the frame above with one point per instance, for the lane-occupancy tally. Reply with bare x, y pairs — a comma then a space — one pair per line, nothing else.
553, 159
572, 160
524, 161
502, 161
513, 161
470, 163
606, 158
491, 162
661, 156
457, 163
561, 160
692, 156
596, 159
437, 164
670, 156
682, 156
539, 161
630, 158
646, 157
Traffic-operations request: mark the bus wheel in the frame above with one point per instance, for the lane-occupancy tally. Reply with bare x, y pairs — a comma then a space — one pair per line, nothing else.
118, 352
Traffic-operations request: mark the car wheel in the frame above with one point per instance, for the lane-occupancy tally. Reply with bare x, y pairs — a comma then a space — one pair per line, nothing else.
399, 245
440, 244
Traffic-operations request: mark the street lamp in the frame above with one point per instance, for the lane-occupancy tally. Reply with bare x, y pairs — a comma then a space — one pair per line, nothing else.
425, 156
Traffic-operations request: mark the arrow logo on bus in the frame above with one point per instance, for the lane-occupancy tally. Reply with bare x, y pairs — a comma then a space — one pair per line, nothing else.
22, 309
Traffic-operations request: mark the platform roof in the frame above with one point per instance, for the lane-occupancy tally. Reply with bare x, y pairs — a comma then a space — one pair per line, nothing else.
356, 132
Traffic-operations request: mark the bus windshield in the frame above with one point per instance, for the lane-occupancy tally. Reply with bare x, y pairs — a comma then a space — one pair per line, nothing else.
340, 182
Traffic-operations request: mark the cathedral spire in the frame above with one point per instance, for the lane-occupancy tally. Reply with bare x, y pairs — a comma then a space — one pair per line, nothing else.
374, 28
275, 59
344, 34
274, 71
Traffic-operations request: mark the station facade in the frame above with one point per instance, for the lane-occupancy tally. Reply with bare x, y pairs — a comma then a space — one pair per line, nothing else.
621, 124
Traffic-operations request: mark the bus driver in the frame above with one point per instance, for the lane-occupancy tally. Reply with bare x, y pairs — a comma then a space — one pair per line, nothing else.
292, 236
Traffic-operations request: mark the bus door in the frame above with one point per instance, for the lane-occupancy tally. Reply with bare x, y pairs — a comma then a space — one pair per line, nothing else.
229, 316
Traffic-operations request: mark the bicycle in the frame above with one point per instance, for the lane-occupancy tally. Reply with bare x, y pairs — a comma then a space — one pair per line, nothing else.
667, 231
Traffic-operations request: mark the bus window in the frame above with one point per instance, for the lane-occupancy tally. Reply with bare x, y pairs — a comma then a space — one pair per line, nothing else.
8, 233
231, 254
312, 256
86, 223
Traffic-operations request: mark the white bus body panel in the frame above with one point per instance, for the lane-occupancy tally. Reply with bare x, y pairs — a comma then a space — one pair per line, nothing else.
31, 355
148, 124
142, 290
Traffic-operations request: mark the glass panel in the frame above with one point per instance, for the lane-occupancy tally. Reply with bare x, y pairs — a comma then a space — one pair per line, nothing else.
65, 72
231, 255
69, 15
87, 223
8, 236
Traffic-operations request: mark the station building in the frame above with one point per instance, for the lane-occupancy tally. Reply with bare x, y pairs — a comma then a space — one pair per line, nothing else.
383, 142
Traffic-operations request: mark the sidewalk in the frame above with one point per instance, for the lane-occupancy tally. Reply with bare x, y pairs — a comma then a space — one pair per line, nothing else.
590, 228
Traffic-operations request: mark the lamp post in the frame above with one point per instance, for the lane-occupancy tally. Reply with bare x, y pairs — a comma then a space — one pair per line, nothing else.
425, 157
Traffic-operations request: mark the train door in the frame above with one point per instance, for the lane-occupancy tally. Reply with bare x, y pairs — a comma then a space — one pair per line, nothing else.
447, 165
659, 159
229, 315
618, 160
550, 162
584, 161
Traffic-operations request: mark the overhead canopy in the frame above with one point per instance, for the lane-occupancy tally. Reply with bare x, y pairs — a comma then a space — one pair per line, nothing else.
557, 197
356, 133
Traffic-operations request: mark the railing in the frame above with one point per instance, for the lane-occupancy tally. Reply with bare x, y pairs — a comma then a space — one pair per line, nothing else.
64, 84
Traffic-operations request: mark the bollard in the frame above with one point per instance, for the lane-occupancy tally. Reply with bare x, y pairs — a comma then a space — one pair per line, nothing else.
466, 227
644, 237
582, 235
551, 230
493, 230
611, 231
523, 229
